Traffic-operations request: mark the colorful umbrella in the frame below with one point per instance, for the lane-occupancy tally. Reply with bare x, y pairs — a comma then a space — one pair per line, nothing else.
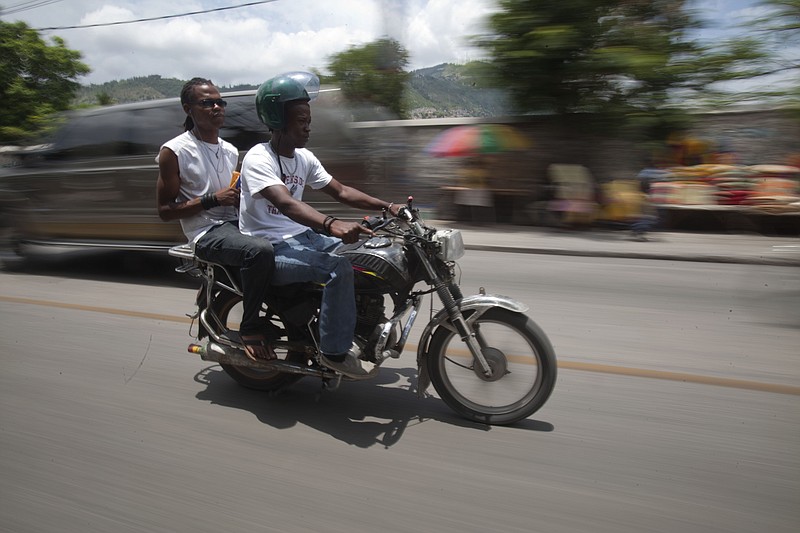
477, 139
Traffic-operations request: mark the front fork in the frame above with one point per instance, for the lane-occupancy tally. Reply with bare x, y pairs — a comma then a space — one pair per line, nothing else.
469, 335
474, 306
448, 294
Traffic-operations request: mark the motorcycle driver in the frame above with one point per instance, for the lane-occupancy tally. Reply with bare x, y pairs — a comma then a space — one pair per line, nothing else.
274, 175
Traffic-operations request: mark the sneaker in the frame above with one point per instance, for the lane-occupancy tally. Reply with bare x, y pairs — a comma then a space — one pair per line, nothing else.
350, 367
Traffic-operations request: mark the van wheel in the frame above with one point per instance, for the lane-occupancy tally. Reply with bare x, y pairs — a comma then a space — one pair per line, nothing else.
11, 255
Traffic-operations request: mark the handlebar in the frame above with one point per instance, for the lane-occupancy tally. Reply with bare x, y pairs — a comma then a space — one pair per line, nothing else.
375, 223
406, 213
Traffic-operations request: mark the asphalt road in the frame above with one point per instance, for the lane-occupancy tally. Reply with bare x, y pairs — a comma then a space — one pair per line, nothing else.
677, 409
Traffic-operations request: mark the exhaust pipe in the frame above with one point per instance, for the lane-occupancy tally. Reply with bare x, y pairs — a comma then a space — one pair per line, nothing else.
227, 355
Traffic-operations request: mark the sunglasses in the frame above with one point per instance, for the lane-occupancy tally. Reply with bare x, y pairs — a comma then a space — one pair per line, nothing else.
211, 102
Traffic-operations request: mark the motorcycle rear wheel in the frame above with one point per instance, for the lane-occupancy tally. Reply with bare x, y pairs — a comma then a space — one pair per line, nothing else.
228, 307
521, 357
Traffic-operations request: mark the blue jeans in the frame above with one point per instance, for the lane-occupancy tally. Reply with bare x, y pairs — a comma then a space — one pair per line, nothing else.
307, 257
643, 224
224, 244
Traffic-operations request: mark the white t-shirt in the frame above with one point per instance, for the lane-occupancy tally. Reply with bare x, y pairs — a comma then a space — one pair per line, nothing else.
203, 168
258, 217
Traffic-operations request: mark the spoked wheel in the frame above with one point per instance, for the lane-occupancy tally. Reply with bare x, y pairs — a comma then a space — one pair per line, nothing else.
228, 307
523, 367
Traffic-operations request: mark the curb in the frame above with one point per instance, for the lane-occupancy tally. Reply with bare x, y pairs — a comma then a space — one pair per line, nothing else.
742, 260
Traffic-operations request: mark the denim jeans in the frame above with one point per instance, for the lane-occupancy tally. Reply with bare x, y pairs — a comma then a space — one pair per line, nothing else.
307, 257
643, 224
224, 244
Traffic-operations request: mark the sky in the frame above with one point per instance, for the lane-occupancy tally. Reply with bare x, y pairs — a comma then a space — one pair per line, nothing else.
250, 44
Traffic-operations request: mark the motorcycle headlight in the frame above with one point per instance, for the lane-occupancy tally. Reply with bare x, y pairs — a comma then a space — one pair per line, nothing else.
451, 245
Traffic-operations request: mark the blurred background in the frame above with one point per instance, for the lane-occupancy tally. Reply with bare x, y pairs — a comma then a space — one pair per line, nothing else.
676, 115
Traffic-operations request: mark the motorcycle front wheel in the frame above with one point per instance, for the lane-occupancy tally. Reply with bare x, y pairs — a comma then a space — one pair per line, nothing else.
228, 307
523, 367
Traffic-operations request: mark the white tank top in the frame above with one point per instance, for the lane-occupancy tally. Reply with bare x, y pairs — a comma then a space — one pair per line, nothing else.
203, 168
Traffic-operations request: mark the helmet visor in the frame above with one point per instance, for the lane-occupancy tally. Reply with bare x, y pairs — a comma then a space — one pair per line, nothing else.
308, 80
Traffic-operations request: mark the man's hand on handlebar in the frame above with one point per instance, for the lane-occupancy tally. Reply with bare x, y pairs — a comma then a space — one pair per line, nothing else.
349, 232
394, 209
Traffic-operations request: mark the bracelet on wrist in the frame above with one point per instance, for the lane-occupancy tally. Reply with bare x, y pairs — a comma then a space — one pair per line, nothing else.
326, 225
209, 200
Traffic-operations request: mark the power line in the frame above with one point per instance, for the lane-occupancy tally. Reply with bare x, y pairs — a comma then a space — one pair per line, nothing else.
164, 17
25, 6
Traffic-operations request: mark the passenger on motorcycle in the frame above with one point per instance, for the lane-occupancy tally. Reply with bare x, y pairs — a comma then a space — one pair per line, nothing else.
274, 175
194, 186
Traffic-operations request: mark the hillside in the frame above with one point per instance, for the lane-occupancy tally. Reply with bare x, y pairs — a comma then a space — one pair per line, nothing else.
137, 90
446, 91
436, 92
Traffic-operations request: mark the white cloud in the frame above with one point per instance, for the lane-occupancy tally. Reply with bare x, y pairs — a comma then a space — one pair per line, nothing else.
442, 28
250, 44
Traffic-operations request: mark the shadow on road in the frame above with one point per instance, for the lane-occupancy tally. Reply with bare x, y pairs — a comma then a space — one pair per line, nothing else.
363, 414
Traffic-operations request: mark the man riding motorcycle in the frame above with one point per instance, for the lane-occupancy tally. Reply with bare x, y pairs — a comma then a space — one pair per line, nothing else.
484, 356
274, 175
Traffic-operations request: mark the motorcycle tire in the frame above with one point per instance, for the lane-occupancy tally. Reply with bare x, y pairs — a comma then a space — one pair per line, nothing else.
252, 378
522, 360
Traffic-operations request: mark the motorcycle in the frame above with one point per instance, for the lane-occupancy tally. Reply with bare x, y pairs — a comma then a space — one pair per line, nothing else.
486, 359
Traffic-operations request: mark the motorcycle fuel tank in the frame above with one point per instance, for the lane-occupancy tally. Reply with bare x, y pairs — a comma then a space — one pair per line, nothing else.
379, 263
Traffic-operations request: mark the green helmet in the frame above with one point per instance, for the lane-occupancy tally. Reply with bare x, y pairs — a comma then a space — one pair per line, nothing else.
273, 94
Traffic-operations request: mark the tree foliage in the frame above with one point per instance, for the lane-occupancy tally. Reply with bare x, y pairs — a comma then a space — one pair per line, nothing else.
623, 61
373, 73
782, 20
36, 80
779, 38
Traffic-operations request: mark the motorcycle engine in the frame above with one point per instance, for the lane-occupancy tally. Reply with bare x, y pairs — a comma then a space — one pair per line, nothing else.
369, 314
370, 309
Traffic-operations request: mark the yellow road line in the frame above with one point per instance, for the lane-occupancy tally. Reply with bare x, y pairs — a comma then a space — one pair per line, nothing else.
568, 365
680, 376
95, 309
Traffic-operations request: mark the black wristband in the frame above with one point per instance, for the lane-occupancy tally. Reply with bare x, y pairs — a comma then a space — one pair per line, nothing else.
326, 225
209, 200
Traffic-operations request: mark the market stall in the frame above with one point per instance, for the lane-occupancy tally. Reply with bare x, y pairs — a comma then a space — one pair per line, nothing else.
757, 197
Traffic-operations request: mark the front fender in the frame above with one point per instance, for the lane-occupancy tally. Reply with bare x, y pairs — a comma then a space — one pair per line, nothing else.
479, 303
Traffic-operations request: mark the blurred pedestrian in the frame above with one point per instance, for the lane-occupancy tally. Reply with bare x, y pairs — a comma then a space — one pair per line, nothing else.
647, 218
575, 199
473, 194
196, 186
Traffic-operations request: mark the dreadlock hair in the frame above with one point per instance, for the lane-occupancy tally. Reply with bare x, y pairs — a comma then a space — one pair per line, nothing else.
187, 94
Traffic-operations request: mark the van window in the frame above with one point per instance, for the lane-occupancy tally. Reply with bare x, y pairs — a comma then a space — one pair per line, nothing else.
85, 136
242, 127
141, 129
117, 132
150, 127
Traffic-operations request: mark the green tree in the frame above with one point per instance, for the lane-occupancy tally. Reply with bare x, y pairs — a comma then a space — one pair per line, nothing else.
37, 78
373, 73
781, 25
622, 61
778, 33
104, 99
